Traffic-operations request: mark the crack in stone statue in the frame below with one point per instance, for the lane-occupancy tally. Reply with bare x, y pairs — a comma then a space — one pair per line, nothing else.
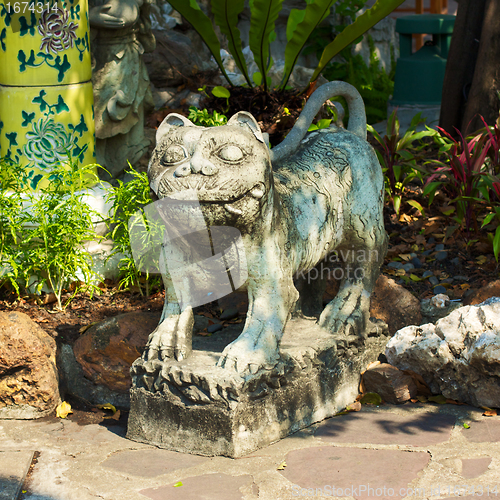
294, 205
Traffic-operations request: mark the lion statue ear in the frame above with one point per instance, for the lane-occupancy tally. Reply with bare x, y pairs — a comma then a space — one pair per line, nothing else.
245, 119
170, 121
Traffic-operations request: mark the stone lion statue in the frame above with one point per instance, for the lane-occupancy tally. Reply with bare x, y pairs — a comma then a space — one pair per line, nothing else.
310, 197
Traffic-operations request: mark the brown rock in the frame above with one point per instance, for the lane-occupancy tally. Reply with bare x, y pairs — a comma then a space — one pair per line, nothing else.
490, 290
107, 350
394, 304
29, 385
390, 383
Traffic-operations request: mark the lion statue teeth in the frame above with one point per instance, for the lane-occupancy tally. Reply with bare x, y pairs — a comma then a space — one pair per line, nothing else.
312, 197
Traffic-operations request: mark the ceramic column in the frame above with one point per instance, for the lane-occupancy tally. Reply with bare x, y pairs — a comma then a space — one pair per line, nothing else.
46, 101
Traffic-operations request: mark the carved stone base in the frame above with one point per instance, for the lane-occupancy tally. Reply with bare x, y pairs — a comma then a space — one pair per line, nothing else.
195, 407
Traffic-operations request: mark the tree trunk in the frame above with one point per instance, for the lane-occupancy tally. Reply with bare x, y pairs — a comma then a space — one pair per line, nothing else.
461, 63
484, 96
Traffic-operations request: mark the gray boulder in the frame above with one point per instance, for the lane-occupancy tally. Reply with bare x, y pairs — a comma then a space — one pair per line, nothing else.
458, 357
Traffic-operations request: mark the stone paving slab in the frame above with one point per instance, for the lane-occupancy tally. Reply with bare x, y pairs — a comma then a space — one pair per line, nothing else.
484, 431
474, 467
151, 463
205, 487
414, 429
95, 462
356, 472
14, 466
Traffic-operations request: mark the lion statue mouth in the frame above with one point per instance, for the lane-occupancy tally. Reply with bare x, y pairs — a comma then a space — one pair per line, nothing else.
230, 193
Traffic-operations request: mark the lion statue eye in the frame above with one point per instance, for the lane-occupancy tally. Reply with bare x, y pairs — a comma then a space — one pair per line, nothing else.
174, 154
230, 153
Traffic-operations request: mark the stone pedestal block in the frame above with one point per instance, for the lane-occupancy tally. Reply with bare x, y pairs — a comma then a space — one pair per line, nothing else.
195, 407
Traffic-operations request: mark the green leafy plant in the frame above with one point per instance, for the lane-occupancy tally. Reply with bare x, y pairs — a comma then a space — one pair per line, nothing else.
222, 93
11, 222
128, 200
323, 123
397, 157
494, 215
55, 224
264, 13
203, 118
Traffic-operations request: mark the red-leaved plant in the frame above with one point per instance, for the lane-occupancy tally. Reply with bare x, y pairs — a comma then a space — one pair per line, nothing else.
463, 178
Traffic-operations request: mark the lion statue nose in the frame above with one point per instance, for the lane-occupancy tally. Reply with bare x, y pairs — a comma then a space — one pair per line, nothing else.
203, 167
201, 164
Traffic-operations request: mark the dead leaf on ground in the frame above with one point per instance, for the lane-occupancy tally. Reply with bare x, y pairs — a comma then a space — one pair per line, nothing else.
49, 298
63, 410
371, 398
373, 364
356, 406
482, 259
204, 333
431, 227
206, 314
83, 329
489, 412
115, 416
405, 218
439, 399
107, 406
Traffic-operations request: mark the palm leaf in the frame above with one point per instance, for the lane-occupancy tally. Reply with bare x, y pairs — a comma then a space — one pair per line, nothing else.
191, 11
300, 26
264, 15
362, 24
226, 17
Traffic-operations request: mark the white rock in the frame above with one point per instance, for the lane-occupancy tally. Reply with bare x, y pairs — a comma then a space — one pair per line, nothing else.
458, 357
440, 300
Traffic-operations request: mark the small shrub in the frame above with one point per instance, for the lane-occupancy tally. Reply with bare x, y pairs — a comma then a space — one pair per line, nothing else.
203, 118
128, 200
462, 176
397, 157
11, 223
43, 232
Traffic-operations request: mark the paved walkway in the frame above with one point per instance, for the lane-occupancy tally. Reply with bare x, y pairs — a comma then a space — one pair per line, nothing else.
392, 452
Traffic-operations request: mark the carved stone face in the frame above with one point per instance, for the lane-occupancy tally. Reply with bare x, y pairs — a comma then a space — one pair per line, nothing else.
228, 167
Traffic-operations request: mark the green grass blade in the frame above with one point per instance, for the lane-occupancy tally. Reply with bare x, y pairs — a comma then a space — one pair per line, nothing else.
226, 17
362, 24
297, 37
191, 11
264, 15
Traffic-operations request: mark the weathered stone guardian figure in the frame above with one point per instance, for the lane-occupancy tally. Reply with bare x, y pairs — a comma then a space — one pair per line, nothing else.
294, 207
